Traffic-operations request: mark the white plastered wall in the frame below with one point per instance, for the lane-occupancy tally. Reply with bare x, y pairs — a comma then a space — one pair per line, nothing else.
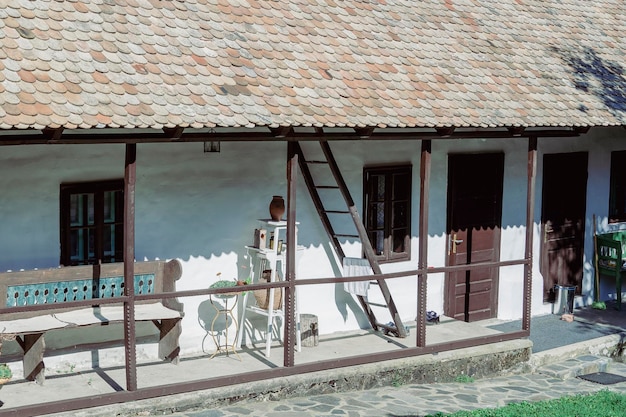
202, 209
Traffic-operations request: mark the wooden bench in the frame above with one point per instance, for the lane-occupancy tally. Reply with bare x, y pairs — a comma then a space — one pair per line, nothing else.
61, 286
610, 250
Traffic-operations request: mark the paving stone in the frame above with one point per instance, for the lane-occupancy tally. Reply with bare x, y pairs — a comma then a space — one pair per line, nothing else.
573, 367
207, 413
414, 400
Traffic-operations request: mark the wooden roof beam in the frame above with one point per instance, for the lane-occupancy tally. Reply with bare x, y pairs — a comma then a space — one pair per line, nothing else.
364, 132
516, 130
173, 133
52, 135
445, 131
282, 131
59, 136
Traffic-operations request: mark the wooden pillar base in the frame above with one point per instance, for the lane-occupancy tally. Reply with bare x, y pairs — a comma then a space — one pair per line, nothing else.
309, 330
170, 331
34, 347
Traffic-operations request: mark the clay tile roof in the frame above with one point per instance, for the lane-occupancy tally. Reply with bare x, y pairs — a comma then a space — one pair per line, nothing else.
386, 63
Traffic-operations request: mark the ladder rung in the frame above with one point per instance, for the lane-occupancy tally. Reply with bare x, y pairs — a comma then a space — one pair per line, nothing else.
377, 304
392, 329
389, 330
344, 235
317, 162
328, 187
337, 211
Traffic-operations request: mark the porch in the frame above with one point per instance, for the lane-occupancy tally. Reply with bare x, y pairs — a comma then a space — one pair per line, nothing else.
231, 378
593, 332
483, 351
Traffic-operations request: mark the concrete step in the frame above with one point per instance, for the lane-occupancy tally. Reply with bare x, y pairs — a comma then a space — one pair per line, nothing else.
580, 365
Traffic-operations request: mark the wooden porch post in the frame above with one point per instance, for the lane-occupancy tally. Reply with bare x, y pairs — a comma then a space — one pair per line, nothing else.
422, 262
530, 221
130, 171
290, 291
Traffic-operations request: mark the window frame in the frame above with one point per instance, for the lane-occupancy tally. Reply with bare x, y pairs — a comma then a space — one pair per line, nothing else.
388, 172
97, 188
617, 192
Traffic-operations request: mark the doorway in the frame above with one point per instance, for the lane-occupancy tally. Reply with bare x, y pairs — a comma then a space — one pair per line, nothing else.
563, 209
474, 218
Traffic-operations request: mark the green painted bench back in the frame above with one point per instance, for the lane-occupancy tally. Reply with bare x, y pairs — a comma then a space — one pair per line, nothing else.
59, 287
620, 237
84, 289
611, 249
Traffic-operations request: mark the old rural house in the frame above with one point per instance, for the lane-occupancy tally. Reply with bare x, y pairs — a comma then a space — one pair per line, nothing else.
474, 143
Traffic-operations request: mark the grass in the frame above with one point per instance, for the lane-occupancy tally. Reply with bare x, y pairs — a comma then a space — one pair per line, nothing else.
465, 379
601, 404
400, 377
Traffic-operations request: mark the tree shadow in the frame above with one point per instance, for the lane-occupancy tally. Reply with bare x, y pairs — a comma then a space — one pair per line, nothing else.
600, 77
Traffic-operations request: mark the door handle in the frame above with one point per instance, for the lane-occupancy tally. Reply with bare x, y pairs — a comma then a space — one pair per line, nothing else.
454, 242
547, 230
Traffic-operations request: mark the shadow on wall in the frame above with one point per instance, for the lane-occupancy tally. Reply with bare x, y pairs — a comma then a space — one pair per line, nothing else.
213, 324
605, 79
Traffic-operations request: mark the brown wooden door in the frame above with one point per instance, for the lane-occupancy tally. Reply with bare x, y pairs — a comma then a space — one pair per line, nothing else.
564, 196
474, 220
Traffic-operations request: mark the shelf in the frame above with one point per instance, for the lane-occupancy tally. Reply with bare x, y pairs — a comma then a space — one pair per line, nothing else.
265, 312
263, 259
275, 223
266, 250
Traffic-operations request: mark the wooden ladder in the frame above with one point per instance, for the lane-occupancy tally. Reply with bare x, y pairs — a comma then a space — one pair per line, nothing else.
339, 184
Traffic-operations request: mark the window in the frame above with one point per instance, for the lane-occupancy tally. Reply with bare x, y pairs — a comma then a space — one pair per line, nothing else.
387, 202
617, 198
92, 222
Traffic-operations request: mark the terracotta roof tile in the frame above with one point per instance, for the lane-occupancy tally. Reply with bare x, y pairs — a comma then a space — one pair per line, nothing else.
137, 63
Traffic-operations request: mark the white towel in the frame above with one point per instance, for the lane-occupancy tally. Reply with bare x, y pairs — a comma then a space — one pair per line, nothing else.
353, 267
